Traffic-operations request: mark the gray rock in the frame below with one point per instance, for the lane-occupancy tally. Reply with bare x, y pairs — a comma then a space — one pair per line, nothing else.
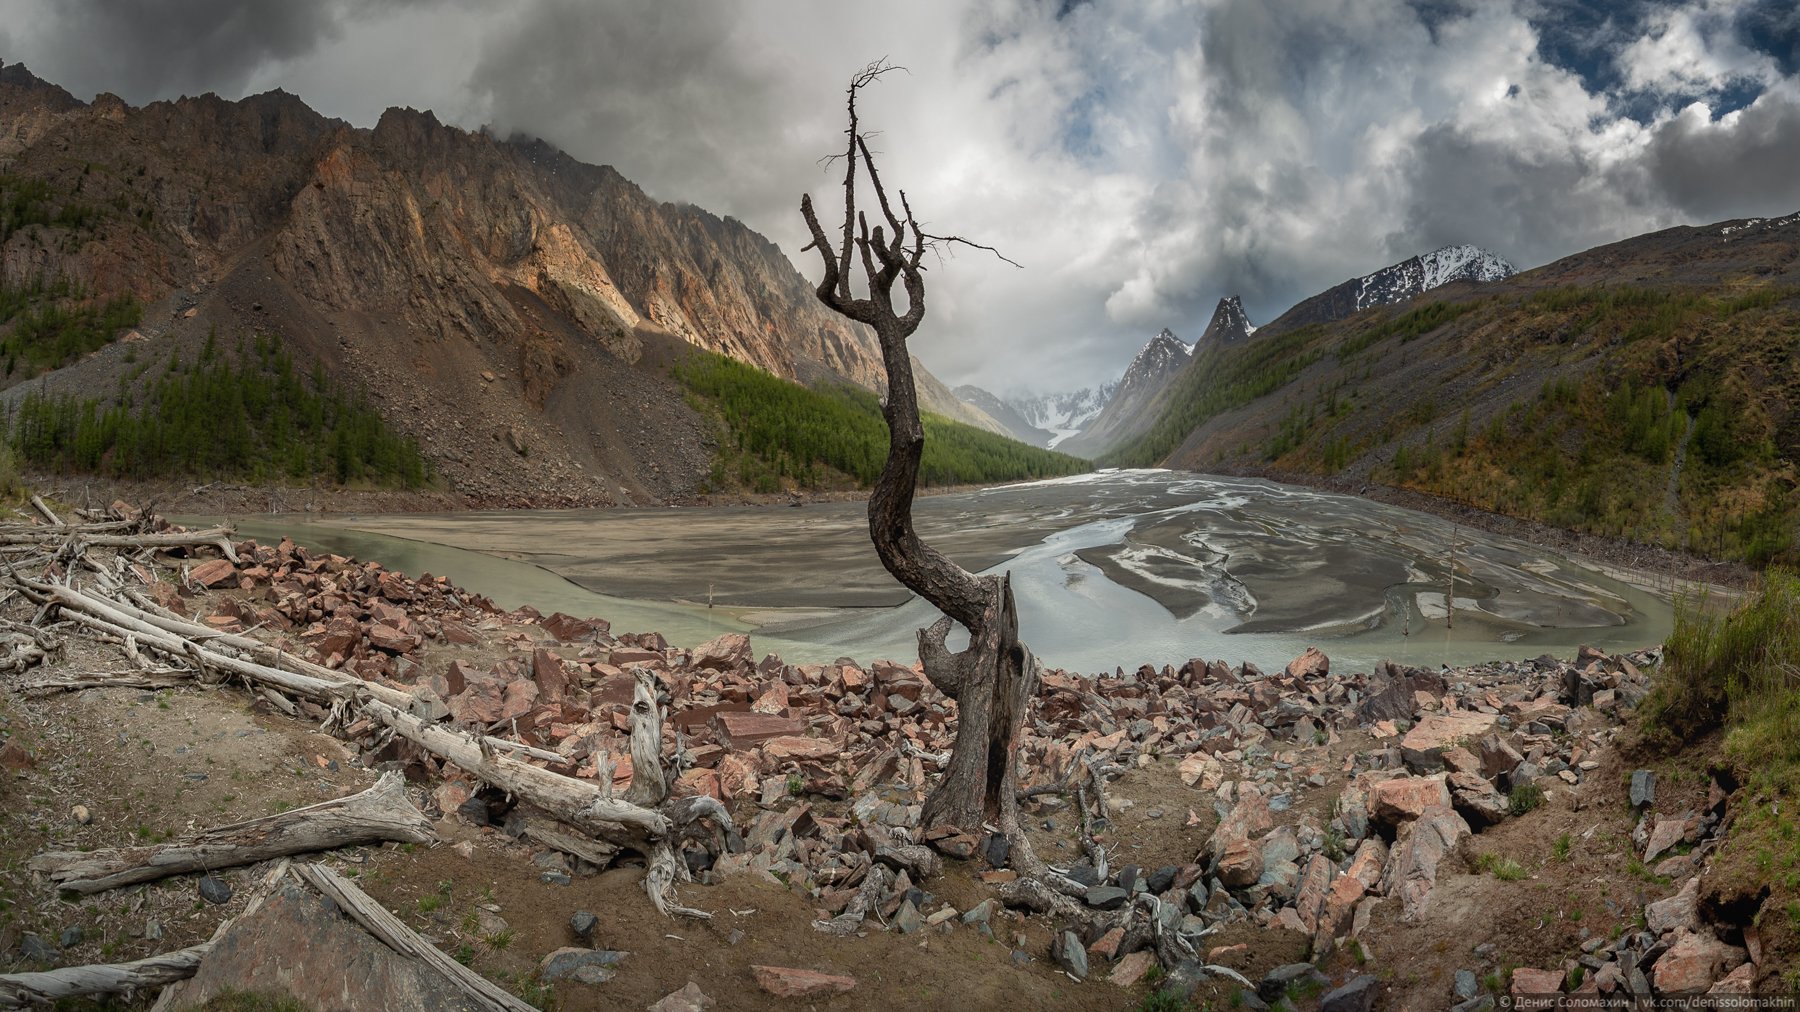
981, 912
475, 810
1643, 788
584, 966
35, 950
997, 850
555, 877
1021, 958
1466, 985
70, 937
907, 919
1479, 1003
1162, 879
153, 930
1102, 897
1276, 982
1070, 954
583, 924
214, 889
1356, 996
1084, 875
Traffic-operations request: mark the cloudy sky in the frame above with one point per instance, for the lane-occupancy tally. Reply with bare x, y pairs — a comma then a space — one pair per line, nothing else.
1141, 158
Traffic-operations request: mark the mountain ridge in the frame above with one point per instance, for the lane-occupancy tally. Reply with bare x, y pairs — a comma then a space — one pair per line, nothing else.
490, 294
1160, 360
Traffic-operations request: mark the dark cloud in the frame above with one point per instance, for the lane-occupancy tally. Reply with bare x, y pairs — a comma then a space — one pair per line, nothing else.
149, 49
1747, 165
1773, 27
164, 48
1529, 206
1142, 159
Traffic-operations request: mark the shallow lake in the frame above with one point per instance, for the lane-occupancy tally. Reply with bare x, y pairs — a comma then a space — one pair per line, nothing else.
1112, 569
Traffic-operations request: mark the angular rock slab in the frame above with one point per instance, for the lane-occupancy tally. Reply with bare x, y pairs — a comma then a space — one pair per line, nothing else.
299, 944
788, 982
1418, 849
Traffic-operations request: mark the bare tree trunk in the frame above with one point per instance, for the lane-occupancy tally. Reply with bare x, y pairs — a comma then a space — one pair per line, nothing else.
992, 678
383, 812
19, 989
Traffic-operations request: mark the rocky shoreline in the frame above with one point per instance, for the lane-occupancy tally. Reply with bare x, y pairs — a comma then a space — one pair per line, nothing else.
1322, 807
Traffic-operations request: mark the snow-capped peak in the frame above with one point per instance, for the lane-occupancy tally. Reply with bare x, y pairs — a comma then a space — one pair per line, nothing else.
1422, 273
1228, 323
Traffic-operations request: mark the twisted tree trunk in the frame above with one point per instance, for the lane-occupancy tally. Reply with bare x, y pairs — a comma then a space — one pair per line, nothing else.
992, 678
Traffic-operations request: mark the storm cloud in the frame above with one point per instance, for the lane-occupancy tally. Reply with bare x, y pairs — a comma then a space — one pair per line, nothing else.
1142, 159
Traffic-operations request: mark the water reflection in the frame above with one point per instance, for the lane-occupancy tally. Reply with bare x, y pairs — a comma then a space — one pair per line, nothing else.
1113, 569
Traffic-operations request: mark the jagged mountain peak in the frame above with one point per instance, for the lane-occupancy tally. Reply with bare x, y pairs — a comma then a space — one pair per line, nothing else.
1229, 322
1426, 271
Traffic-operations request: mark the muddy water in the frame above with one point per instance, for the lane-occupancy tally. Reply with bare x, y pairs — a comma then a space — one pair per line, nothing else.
1112, 569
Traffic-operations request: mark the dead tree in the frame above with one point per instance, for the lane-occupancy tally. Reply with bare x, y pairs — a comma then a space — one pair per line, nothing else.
995, 676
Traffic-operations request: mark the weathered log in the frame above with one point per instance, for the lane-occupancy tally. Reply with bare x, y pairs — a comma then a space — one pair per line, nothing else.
397, 936
383, 812
648, 786
20, 989
216, 537
576, 802
598, 853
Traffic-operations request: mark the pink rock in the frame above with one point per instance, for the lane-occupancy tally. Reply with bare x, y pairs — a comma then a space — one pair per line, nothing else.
1132, 968
1675, 912
1419, 846
1107, 946
548, 672
1665, 834
1315, 882
1428, 739
724, 653
1406, 798
1241, 864
1201, 769
743, 729
688, 999
214, 573
786, 982
1527, 981
1310, 664
1694, 962
1370, 860
792, 747
1739, 981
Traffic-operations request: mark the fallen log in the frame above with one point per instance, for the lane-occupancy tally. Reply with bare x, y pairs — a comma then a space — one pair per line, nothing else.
383, 812
20, 989
397, 936
216, 537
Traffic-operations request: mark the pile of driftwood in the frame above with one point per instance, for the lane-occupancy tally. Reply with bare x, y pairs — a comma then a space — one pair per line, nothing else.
98, 594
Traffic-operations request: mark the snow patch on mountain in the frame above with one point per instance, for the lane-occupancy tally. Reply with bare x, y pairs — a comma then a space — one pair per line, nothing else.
1422, 273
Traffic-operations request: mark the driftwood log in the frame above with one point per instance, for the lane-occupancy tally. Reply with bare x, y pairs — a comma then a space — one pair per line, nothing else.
623, 824
21, 989
376, 920
383, 812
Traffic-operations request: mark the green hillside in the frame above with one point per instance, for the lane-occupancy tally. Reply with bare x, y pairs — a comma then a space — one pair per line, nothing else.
1663, 415
248, 415
779, 435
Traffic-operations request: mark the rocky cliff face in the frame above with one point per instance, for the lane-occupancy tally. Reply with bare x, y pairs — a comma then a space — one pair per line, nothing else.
499, 285
1228, 323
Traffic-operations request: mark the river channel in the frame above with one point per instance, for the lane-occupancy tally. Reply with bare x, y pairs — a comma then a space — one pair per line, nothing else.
1112, 569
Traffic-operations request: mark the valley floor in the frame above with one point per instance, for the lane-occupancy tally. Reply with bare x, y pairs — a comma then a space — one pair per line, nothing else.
1426, 839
